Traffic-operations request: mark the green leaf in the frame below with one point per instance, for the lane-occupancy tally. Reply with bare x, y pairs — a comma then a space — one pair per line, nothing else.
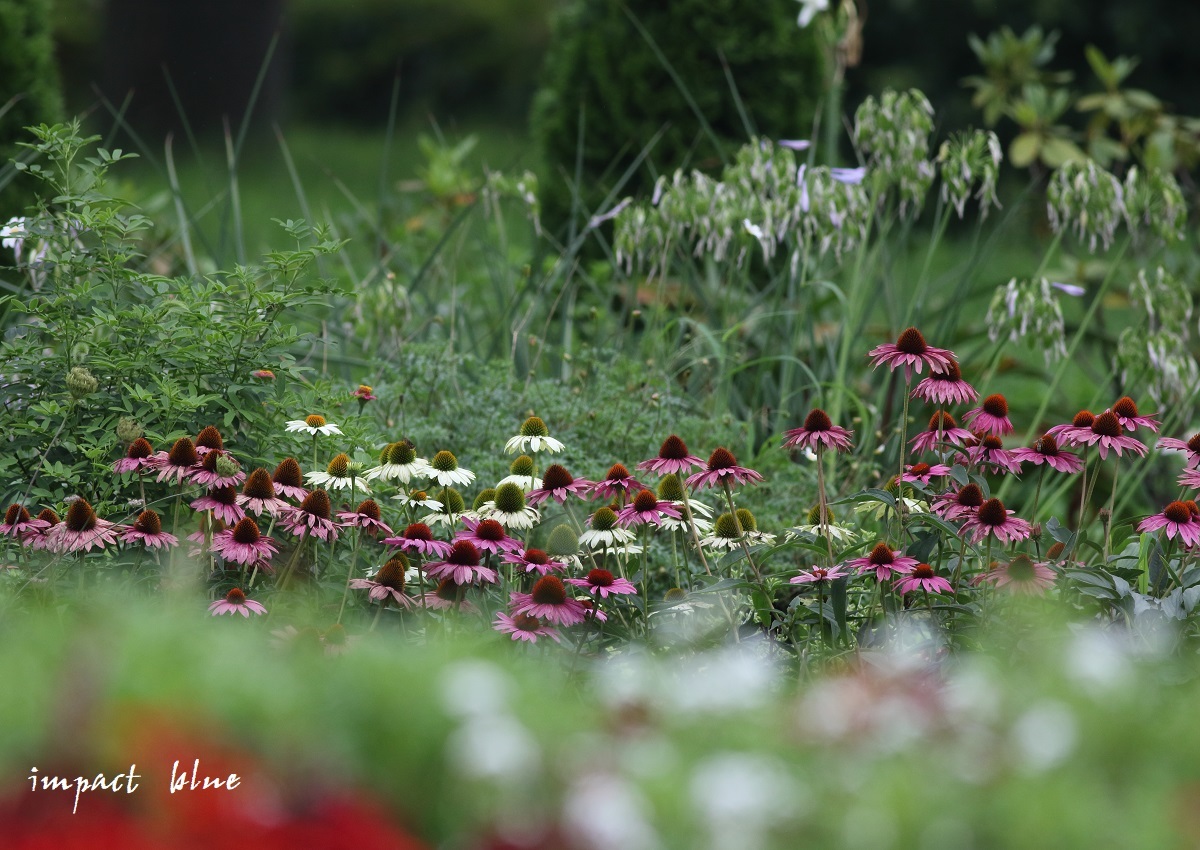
1056, 152
1024, 149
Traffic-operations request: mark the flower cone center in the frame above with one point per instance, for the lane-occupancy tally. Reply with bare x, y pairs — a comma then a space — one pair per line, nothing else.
549, 590
556, 477
444, 461
600, 578
645, 501
604, 519
992, 512
1177, 512
922, 571
721, 458
287, 474
463, 554
183, 453
1083, 419
317, 503
510, 498
881, 554
139, 449
970, 496
391, 574
314, 421
258, 485
996, 405
210, 438
235, 597
80, 516
912, 342
818, 420
673, 448
1125, 406
246, 531
534, 427
148, 522
1107, 425
418, 531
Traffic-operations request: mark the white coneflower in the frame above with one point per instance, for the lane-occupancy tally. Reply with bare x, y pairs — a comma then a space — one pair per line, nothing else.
603, 531
399, 462
314, 425
337, 476
509, 508
534, 437
521, 474
444, 469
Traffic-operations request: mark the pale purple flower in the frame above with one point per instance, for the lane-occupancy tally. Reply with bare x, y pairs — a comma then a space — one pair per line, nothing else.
991, 417
258, 495
946, 387
943, 428
80, 530
366, 517
1178, 519
1106, 433
20, 525
140, 455
912, 352
673, 458
1046, 451
1191, 448
646, 508
223, 502
387, 583
723, 469
923, 473
991, 518
616, 482
923, 578
180, 464
243, 544
549, 600
461, 565
312, 518
235, 602
534, 561
1020, 575
488, 535
818, 432
524, 627
558, 484
991, 452
884, 562
953, 505
818, 575
1127, 414
147, 530
851, 176
602, 583
418, 537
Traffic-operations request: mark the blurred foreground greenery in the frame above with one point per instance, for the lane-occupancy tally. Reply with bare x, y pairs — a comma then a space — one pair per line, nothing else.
1053, 738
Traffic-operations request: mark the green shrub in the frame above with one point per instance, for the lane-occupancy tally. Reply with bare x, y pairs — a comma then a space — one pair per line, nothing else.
609, 90
30, 93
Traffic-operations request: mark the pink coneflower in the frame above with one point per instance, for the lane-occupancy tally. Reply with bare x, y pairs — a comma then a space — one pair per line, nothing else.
616, 482
263, 374
223, 502
673, 458
524, 627
912, 352
288, 481
312, 518
447, 594
818, 431
602, 583
953, 505
366, 516
884, 562
1076, 432
923, 473
1177, 519
992, 519
1046, 450
461, 565
139, 456
991, 417
646, 509
364, 393
723, 469
1190, 478
20, 525
418, 537
1020, 575
943, 428
535, 561
258, 495
147, 530
1106, 432
818, 575
548, 600
218, 469
557, 484
1127, 415
991, 452
180, 464
387, 583
946, 387
923, 578
209, 440
243, 544
488, 535
40, 538
1190, 447
80, 530
235, 602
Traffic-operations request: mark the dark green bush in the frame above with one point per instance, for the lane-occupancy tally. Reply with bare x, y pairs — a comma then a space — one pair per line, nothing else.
29, 90
601, 64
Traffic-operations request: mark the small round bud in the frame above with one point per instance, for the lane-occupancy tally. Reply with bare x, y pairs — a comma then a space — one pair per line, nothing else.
128, 429
81, 382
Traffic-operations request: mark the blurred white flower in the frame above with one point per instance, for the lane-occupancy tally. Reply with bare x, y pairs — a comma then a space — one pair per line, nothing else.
1044, 736
809, 10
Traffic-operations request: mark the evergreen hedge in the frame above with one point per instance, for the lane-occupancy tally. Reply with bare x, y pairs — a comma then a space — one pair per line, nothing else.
602, 63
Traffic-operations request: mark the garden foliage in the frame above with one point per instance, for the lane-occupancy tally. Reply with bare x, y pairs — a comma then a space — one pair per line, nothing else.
681, 84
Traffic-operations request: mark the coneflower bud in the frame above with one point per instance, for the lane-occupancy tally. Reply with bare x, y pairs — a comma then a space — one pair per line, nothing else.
522, 466
128, 430
563, 542
486, 495
670, 488
81, 382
